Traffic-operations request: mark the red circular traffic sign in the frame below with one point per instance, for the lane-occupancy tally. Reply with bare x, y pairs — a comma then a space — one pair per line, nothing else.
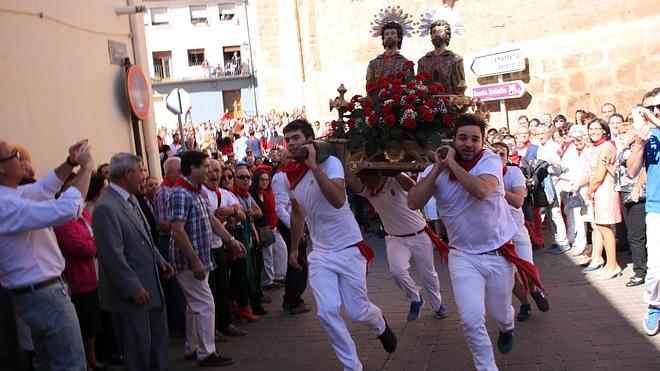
139, 97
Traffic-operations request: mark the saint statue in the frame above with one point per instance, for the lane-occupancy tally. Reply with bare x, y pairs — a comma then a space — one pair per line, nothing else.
391, 24
442, 65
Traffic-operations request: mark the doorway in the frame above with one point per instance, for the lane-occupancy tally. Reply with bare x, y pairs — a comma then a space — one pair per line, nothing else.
231, 100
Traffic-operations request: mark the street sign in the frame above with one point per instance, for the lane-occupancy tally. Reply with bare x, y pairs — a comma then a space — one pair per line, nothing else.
498, 91
498, 63
139, 96
178, 101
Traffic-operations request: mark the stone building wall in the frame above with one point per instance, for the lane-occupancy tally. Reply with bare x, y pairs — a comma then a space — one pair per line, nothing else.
580, 54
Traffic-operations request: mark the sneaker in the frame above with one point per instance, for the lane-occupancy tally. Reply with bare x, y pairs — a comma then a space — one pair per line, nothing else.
651, 321
215, 360
560, 249
388, 339
442, 312
415, 309
541, 301
300, 309
505, 342
232, 330
552, 249
525, 312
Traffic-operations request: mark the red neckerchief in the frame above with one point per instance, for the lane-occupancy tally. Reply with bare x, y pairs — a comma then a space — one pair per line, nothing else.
525, 268
467, 165
166, 182
515, 158
599, 142
183, 183
524, 145
579, 151
294, 171
242, 192
443, 249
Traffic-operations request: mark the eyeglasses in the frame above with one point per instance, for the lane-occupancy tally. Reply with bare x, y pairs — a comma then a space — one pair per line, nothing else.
650, 108
243, 177
227, 177
10, 157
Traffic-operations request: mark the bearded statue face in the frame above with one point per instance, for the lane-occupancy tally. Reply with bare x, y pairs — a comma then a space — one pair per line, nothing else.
440, 34
392, 36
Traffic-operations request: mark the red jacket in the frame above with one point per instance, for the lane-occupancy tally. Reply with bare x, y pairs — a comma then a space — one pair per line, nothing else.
79, 249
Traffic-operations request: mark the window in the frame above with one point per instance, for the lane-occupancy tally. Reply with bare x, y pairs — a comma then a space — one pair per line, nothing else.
195, 57
226, 12
159, 17
198, 14
232, 58
162, 65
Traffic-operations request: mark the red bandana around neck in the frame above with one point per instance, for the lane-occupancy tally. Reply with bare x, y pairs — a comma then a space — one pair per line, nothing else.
180, 182
515, 158
241, 192
294, 171
524, 145
466, 165
599, 142
166, 182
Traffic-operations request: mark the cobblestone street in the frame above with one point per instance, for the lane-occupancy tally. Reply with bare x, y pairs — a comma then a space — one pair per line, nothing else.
591, 325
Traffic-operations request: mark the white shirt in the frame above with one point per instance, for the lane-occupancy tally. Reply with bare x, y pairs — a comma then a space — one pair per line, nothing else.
475, 226
514, 178
330, 229
577, 166
29, 252
227, 199
282, 198
240, 146
549, 152
431, 207
391, 204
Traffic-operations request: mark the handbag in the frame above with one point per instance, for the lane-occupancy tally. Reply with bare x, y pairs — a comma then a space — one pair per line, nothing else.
266, 236
574, 200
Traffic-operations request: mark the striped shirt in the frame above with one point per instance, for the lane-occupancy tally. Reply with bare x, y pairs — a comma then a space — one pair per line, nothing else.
194, 210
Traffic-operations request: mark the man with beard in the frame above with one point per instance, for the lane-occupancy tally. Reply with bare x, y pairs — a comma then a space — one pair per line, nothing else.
391, 34
442, 65
467, 184
338, 264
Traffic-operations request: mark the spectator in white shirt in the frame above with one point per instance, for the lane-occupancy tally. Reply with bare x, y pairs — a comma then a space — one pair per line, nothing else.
31, 263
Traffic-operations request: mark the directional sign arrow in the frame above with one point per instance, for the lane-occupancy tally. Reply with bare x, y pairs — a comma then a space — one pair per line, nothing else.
498, 63
502, 90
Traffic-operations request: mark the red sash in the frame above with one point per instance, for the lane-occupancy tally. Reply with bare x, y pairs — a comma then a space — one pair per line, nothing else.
366, 251
525, 268
466, 165
443, 249
294, 171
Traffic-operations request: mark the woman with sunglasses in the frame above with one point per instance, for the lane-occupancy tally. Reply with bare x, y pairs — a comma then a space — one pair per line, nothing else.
605, 202
249, 268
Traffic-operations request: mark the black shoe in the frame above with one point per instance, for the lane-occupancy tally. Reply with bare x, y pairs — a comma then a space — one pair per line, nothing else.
541, 301
215, 360
525, 311
388, 339
190, 357
505, 342
232, 330
259, 311
300, 309
635, 281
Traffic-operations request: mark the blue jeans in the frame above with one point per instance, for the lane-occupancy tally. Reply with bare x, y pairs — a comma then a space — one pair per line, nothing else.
54, 328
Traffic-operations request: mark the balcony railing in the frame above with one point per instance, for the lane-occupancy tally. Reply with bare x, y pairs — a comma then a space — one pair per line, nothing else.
164, 74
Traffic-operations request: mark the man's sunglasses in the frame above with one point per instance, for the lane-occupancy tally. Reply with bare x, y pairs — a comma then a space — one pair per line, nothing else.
10, 157
650, 108
243, 177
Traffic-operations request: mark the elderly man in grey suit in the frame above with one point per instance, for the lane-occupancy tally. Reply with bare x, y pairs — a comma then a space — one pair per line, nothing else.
129, 265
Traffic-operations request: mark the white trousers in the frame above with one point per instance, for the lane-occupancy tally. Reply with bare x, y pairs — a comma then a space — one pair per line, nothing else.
200, 314
420, 248
557, 222
652, 284
576, 228
339, 278
480, 282
522, 244
275, 260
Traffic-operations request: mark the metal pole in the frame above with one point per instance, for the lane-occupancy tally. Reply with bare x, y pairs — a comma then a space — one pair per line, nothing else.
183, 139
247, 27
500, 79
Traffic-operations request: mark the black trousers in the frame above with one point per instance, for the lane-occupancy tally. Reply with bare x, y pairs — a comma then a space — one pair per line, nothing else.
219, 283
296, 280
634, 216
175, 301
